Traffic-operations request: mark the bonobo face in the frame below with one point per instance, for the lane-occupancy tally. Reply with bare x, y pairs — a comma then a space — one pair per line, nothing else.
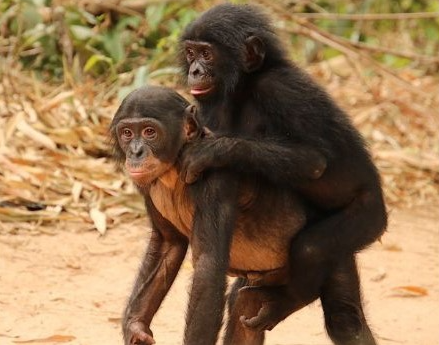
201, 59
144, 141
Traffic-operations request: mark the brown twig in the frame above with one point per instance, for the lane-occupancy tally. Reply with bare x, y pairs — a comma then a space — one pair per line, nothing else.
407, 55
369, 16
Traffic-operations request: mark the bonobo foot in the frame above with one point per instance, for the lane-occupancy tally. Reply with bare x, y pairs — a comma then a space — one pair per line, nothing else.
136, 333
276, 302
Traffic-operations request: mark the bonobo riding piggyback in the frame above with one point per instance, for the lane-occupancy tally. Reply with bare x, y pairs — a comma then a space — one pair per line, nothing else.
272, 121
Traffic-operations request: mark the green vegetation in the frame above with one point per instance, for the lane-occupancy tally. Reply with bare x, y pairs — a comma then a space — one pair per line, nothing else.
70, 42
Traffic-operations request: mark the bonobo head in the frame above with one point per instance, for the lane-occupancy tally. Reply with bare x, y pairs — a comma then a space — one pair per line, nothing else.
223, 45
149, 129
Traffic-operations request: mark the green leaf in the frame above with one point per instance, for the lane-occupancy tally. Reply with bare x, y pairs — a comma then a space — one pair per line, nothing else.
31, 16
127, 22
91, 19
154, 15
140, 78
114, 46
81, 33
96, 59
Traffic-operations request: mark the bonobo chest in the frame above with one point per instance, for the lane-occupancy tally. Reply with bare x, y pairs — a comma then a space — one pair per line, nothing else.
267, 219
170, 197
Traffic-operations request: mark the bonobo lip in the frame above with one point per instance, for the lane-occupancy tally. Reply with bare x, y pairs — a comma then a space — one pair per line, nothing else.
200, 91
137, 173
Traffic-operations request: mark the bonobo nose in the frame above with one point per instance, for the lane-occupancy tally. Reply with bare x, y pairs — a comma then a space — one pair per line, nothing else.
137, 150
195, 72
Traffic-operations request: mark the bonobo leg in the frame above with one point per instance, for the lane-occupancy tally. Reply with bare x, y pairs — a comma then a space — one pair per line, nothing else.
316, 251
341, 301
242, 305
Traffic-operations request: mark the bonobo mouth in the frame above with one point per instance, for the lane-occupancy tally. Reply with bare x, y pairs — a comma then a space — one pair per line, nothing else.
138, 173
198, 91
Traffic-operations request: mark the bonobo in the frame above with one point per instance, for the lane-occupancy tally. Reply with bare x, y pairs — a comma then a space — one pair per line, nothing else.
273, 121
149, 130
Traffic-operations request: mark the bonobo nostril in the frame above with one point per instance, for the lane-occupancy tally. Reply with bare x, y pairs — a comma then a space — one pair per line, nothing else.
139, 153
195, 72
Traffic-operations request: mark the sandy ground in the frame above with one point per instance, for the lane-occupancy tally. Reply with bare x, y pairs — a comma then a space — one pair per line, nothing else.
71, 286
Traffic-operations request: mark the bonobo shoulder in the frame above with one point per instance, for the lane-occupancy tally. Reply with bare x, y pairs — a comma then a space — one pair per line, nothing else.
287, 80
281, 90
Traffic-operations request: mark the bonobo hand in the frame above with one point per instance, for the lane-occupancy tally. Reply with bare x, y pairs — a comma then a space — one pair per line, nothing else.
138, 334
275, 307
203, 154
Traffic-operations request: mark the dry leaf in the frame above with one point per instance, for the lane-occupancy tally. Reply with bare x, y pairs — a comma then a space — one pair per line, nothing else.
35, 135
380, 275
99, 219
392, 247
76, 191
409, 291
57, 338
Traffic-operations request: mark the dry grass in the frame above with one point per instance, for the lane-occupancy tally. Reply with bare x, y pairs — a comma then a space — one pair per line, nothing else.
54, 163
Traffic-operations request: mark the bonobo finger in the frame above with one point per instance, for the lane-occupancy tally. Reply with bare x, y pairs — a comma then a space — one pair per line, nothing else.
260, 322
208, 133
258, 293
319, 168
182, 175
142, 338
139, 335
183, 171
191, 177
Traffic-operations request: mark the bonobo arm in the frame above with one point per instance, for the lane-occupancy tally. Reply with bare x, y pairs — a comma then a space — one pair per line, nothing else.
215, 198
290, 164
162, 260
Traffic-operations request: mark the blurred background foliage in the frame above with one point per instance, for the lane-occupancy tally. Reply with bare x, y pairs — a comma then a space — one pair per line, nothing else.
68, 40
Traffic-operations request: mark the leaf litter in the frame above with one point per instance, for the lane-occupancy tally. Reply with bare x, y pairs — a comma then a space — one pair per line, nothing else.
55, 162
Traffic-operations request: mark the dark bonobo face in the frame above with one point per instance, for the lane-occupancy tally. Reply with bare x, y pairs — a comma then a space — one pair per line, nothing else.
201, 58
144, 143
149, 130
216, 54
211, 69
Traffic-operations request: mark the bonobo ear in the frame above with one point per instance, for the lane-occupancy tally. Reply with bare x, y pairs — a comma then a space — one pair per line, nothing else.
191, 127
254, 54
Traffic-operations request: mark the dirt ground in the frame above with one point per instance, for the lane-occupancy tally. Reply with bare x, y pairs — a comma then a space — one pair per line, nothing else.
70, 286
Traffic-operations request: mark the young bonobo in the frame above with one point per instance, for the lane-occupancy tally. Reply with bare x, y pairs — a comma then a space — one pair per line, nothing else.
149, 131
273, 121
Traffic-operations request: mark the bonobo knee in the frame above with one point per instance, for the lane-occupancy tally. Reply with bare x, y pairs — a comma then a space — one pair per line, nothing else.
309, 252
376, 214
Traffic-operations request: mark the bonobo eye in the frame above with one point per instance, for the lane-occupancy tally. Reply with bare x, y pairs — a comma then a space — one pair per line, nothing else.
127, 134
149, 133
190, 54
206, 55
